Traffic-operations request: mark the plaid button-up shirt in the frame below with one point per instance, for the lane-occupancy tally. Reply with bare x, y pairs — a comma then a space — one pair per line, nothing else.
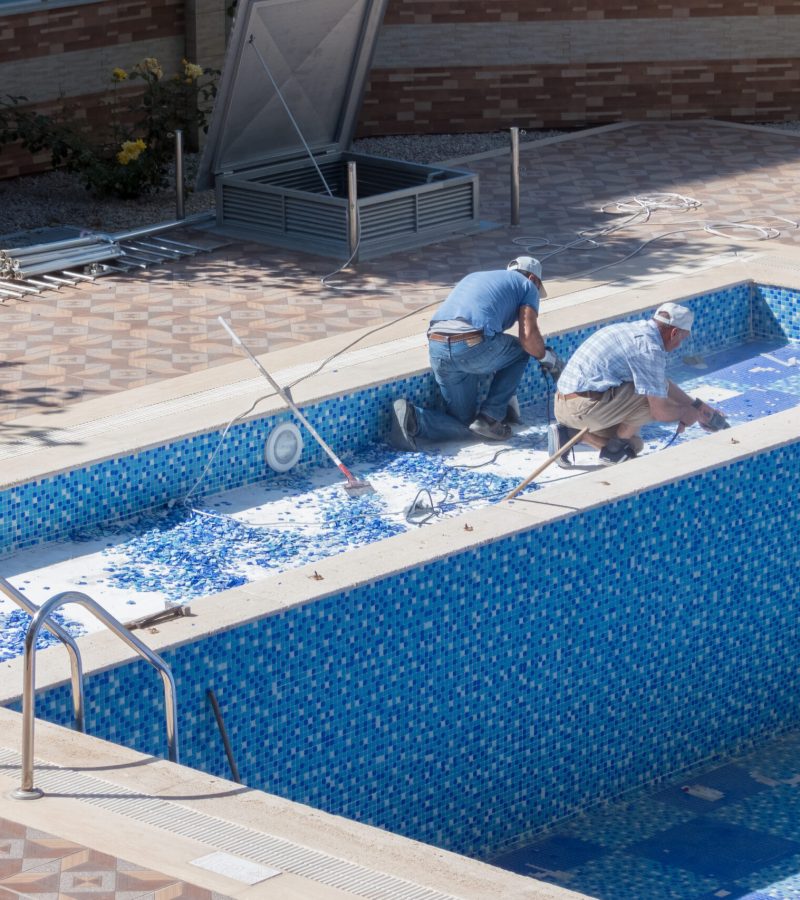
616, 354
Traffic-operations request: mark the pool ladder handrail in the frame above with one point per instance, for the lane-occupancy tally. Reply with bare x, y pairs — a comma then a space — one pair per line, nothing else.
75, 664
26, 790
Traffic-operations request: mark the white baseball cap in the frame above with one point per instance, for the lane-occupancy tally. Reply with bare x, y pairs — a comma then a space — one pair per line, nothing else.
674, 315
532, 267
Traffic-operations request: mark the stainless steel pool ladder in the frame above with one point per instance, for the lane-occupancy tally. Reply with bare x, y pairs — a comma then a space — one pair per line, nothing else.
40, 616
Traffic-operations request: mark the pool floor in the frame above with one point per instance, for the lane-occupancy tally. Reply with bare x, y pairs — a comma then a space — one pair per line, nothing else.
728, 829
204, 545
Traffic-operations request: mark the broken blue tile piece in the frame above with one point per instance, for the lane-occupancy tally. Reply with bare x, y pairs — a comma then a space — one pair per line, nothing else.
731, 782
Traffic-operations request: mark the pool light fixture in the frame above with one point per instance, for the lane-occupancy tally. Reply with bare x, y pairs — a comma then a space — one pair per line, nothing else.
283, 447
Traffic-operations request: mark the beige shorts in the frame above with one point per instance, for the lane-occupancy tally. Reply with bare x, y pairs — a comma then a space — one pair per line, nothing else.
601, 417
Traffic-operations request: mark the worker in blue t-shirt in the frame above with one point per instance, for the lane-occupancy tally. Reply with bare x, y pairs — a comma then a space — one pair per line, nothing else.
467, 341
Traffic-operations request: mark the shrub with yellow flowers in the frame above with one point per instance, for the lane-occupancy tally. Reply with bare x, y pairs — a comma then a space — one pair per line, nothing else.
129, 155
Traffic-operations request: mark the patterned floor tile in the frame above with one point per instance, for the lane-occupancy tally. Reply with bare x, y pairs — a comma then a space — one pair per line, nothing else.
39, 866
277, 300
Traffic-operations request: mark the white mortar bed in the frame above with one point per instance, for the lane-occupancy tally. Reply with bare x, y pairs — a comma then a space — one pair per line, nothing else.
243, 535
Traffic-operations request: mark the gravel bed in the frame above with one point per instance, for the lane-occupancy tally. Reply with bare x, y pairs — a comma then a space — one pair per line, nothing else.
59, 198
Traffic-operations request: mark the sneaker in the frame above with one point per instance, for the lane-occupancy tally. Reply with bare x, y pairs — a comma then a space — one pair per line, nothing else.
513, 413
557, 436
404, 426
489, 428
616, 451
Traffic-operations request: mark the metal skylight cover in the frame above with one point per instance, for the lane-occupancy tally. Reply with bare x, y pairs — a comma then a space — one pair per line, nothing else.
318, 52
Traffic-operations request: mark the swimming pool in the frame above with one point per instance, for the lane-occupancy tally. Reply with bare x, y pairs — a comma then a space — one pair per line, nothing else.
469, 683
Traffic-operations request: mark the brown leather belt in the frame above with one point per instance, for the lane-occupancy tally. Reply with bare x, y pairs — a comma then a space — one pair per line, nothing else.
475, 336
585, 395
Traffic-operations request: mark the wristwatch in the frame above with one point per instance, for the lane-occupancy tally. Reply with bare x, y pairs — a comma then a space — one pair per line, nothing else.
697, 403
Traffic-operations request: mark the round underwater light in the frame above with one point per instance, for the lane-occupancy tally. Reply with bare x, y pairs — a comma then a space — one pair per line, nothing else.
284, 446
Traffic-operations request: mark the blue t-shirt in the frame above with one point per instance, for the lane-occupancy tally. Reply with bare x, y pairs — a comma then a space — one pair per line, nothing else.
489, 301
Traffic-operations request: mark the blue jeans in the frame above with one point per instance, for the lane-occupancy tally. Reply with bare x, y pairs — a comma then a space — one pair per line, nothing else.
458, 370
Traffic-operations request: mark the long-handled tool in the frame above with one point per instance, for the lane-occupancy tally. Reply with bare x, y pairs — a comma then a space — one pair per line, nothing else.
548, 462
353, 485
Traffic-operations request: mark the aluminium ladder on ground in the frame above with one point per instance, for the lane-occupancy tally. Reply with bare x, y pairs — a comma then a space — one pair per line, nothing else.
51, 266
40, 619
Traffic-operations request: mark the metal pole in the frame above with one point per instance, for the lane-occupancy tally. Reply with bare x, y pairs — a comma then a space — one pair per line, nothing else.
352, 209
180, 210
515, 176
224, 733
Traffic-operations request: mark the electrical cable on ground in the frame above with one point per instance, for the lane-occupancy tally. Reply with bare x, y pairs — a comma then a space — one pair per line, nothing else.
638, 209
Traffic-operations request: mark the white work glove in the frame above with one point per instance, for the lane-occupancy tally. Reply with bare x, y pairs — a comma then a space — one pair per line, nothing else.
552, 363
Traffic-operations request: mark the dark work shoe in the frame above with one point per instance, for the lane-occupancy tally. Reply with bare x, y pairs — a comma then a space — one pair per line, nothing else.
404, 426
489, 428
616, 451
557, 436
513, 414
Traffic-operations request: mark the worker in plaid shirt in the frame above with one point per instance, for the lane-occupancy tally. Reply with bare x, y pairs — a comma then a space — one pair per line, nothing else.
616, 382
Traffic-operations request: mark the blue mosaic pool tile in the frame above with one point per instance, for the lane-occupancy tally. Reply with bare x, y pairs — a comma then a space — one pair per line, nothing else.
399, 703
53, 508
616, 825
714, 849
549, 855
776, 882
757, 403
775, 811
775, 312
711, 791
482, 696
622, 876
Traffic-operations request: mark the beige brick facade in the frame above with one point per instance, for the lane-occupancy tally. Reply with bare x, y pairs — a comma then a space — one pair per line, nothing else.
455, 65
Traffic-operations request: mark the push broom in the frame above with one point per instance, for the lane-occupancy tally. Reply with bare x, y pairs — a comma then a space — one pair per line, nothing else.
353, 486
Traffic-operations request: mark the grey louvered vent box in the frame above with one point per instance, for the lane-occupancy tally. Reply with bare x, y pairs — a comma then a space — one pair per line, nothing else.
277, 150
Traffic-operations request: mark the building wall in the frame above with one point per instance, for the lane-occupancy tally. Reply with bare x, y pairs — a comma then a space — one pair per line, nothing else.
457, 65
61, 57
464, 65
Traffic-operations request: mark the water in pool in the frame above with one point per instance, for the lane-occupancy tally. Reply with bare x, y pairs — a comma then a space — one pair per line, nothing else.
728, 829
207, 545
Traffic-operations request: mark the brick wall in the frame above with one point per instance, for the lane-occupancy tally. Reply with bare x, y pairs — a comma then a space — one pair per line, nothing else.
456, 65
62, 57
462, 65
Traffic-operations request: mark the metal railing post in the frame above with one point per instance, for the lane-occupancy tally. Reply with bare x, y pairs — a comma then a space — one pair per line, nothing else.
352, 209
515, 176
180, 210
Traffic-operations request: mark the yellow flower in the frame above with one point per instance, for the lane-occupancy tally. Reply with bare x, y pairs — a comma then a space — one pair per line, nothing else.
192, 71
130, 151
119, 75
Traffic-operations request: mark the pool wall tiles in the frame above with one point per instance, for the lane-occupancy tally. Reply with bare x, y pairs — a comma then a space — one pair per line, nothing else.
475, 699
60, 506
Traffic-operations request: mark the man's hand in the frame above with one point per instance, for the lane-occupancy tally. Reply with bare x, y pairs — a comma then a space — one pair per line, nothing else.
708, 418
552, 363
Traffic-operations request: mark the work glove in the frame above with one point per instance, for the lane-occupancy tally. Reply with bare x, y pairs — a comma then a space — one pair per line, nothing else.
552, 363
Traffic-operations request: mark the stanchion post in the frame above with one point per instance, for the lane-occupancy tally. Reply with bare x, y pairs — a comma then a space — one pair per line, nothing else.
180, 209
352, 209
515, 176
